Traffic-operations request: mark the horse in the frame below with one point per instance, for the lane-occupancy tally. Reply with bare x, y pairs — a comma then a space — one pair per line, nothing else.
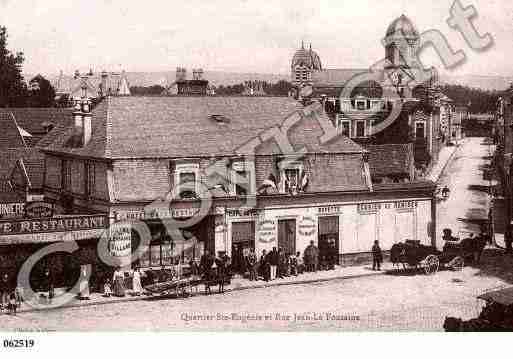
397, 254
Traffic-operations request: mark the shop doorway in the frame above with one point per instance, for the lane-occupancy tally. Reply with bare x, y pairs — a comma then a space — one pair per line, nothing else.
243, 240
329, 239
287, 235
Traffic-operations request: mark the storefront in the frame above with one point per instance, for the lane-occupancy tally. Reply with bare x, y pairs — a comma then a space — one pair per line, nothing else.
22, 238
351, 228
177, 240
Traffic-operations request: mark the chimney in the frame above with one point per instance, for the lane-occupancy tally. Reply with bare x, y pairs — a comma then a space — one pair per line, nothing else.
79, 125
181, 74
82, 119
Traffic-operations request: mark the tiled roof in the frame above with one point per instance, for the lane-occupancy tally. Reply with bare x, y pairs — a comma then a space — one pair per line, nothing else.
10, 136
173, 127
33, 160
390, 159
34, 120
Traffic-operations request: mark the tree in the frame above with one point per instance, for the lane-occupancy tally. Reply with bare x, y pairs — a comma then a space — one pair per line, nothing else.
13, 89
42, 93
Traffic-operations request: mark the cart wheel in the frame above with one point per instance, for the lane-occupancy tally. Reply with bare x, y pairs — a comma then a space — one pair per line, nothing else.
457, 263
431, 264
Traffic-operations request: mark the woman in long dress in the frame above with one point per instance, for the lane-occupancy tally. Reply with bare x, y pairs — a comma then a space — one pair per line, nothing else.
119, 285
136, 282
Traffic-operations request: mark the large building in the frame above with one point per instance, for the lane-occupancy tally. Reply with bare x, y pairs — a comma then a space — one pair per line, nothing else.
129, 154
361, 102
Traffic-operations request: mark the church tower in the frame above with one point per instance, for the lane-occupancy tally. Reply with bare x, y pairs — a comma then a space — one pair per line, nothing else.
401, 44
304, 62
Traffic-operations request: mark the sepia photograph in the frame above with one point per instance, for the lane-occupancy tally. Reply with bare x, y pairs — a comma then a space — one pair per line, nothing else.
249, 166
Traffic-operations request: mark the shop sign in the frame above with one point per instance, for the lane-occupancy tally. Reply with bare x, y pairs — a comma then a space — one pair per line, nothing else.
369, 207
242, 212
12, 210
52, 237
405, 204
156, 213
329, 210
307, 226
39, 210
120, 239
267, 231
55, 224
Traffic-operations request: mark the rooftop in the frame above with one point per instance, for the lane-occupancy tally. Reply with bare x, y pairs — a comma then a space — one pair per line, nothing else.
177, 127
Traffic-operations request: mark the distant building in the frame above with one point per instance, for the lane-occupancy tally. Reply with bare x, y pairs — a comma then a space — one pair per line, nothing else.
91, 86
182, 86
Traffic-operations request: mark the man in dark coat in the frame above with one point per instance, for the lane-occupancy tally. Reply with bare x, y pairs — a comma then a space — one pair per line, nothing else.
252, 265
311, 257
274, 260
377, 256
264, 267
4, 291
206, 263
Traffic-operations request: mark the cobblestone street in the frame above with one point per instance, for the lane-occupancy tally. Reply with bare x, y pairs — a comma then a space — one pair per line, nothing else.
392, 301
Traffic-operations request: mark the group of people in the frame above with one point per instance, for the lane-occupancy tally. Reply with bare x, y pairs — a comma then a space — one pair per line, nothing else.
279, 264
117, 287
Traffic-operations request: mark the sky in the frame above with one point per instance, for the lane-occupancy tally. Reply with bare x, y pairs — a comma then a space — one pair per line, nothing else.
237, 35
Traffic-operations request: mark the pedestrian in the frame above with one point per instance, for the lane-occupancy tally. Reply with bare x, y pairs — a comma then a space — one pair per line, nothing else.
136, 282
119, 283
282, 263
48, 285
300, 263
311, 257
84, 284
107, 288
273, 262
4, 292
377, 256
221, 263
252, 264
264, 267
508, 240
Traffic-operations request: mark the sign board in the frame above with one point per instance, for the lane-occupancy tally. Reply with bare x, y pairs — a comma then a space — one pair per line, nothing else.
159, 213
39, 210
120, 239
54, 224
12, 210
267, 230
51, 237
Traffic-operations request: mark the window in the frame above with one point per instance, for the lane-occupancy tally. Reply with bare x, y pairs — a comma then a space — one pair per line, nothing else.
186, 180
420, 131
242, 178
66, 175
345, 128
291, 179
90, 178
360, 128
361, 105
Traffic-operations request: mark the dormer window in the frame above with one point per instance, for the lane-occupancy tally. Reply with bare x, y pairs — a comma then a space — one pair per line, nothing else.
243, 178
293, 178
186, 180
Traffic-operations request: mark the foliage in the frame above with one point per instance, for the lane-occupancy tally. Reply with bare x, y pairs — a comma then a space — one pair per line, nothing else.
481, 101
42, 93
13, 90
154, 90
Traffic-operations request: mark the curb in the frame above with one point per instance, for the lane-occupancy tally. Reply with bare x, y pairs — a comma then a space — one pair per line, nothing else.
449, 159
247, 287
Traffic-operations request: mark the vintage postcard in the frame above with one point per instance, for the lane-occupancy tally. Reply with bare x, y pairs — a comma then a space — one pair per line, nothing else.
179, 166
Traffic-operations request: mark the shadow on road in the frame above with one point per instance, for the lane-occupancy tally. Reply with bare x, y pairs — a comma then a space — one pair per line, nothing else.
495, 263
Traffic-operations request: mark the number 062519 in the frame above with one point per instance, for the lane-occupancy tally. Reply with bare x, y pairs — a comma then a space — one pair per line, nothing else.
18, 343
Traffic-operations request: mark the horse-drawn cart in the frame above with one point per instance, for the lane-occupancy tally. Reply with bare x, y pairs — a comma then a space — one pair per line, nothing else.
456, 252
179, 287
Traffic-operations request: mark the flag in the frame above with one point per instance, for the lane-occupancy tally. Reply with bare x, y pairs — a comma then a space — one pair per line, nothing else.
270, 182
304, 180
